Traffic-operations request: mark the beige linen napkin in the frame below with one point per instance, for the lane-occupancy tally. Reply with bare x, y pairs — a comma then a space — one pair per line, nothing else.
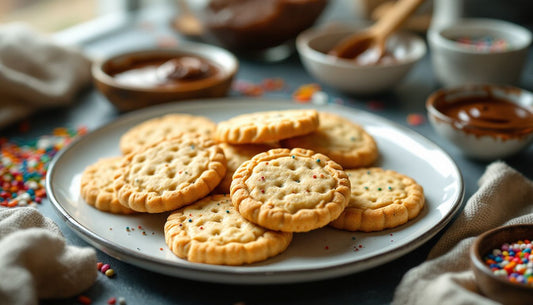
36, 73
35, 262
504, 197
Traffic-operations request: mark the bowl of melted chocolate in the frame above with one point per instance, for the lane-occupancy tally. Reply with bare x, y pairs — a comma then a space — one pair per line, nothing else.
485, 122
248, 26
142, 78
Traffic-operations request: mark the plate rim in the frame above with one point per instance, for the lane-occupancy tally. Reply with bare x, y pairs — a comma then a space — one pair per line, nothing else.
208, 273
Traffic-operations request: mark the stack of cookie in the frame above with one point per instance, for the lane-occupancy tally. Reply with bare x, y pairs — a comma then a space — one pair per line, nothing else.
237, 190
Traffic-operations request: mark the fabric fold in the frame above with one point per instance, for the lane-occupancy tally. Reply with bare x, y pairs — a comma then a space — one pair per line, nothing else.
37, 73
35, 261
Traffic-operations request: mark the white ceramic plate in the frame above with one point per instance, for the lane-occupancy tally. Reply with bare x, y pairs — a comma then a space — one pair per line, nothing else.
319, 254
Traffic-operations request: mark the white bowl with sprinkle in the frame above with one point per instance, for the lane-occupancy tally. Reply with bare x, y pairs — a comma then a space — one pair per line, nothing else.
473, 51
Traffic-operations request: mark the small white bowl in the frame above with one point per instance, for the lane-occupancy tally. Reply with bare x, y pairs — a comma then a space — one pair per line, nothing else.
457, 64
348, 76
487, 140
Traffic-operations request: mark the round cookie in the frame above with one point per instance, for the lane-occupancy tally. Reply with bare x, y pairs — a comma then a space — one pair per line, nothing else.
169, 174
236, 154
340, 139
166, 126
97, 186
381, 199
268, 126
211, 231
294, 190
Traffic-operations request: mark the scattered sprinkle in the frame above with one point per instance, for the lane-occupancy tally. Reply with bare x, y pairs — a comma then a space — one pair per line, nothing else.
247, 88
273, 84
305, 92
85, 300
104, 268
109, 272
24, 163
415, 119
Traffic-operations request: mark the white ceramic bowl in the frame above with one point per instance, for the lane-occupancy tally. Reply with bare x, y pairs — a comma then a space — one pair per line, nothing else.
455, 64
349, 77
483, 143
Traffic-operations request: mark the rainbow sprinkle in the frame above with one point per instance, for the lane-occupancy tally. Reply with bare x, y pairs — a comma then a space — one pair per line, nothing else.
511, 261
304, 93
23, 165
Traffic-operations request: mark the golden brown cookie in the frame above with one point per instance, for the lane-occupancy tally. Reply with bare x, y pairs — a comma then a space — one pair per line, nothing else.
381, 199
211, 231
97, 186
166, 126
236, 154
169, 174
294, 190
340, 139
268, 126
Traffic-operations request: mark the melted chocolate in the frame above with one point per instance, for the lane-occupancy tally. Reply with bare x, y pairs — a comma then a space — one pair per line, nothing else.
165, 71
489, 116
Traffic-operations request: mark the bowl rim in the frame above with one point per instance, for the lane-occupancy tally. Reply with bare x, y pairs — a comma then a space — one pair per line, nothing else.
305, 37
436, 37
476, 258
229, 67
466, 89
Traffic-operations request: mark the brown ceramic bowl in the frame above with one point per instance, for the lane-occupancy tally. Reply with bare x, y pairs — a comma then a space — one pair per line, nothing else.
130, 96
495, 287
248, 26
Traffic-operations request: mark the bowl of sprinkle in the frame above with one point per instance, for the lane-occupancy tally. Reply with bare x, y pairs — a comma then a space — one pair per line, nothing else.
479, 50
500, 259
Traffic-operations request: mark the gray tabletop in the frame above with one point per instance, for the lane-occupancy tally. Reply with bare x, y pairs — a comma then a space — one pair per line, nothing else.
140, 286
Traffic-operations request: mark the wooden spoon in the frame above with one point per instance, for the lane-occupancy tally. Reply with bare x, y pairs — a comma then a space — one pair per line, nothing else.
373, 39
187, 23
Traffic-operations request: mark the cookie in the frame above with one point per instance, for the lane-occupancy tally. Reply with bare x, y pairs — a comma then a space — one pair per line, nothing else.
169, 125
97, 186
211, 231
294, 190
381, 199
236, 154
345, 142
268, 126
169, 174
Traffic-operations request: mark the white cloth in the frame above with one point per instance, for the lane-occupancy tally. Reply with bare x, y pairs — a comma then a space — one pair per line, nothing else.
35, 262
445, 278
36, 73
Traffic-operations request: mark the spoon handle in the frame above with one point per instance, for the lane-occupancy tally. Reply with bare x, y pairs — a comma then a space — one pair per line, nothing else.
395, 17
